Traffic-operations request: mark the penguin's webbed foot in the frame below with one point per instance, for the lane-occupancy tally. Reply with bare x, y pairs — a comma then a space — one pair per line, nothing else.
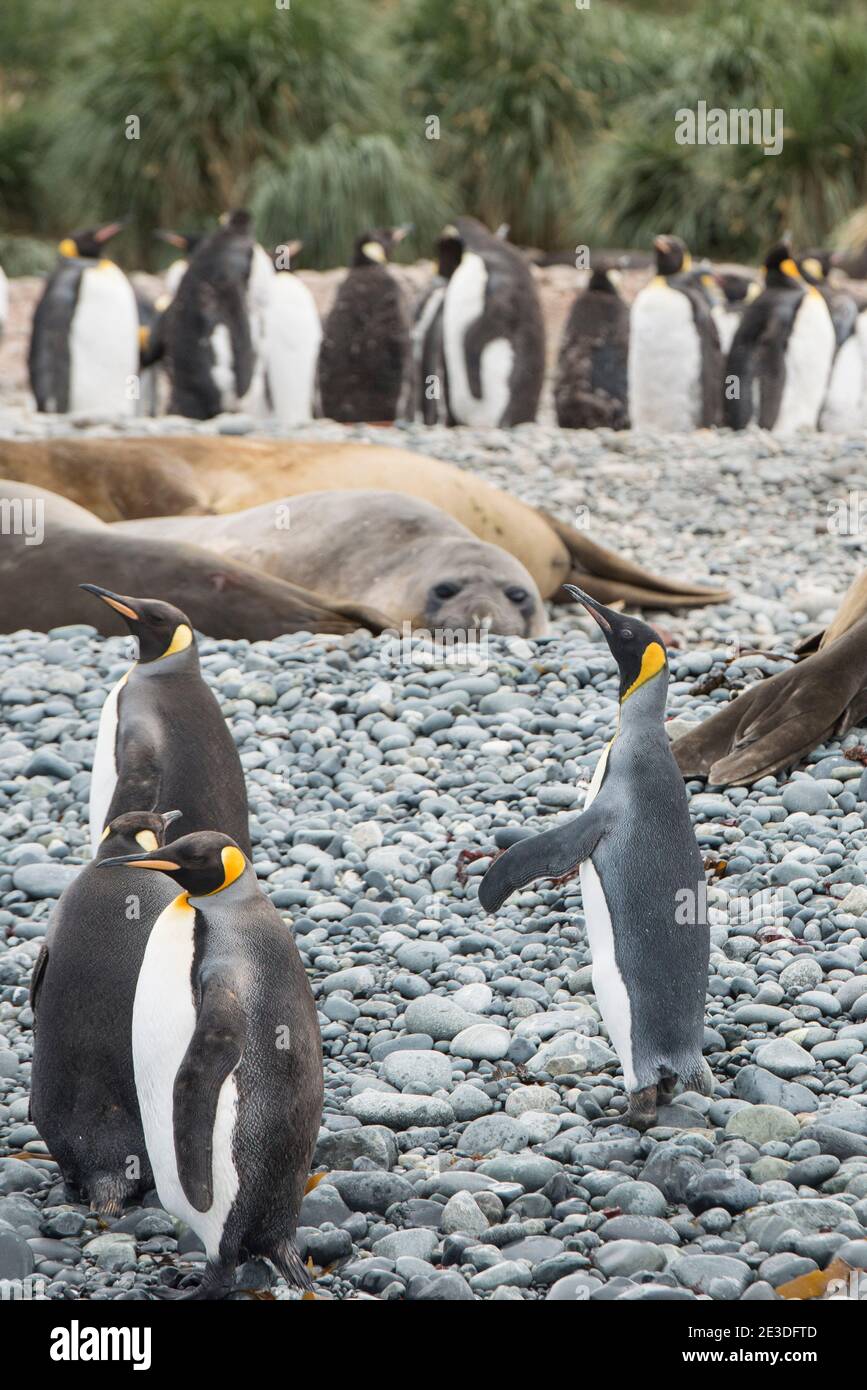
640, 1113
216, 1283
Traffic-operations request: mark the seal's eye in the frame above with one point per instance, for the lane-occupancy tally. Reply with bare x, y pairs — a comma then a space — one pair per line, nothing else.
445, 591
515, 595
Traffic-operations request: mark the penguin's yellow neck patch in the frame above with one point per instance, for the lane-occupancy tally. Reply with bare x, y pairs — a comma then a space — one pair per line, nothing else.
67, 247
788, 267
687, 262
105, 834
374, 252
181, 639
234, 865
147, 839
652, 662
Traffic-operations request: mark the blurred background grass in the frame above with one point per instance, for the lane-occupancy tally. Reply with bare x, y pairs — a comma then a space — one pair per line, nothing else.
555, 119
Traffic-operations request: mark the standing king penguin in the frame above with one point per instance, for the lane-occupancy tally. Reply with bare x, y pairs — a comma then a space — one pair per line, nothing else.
209, 337
493, 332
163, 741
293, 334
83, 1098
84, 345
227, 1058
642, 881
779, 363
675, 363
430, 383
590, 390
365, 353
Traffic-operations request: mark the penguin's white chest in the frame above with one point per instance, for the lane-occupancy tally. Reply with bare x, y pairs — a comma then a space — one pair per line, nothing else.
293, 333
163, 1023
664, 360
608, 983
464, 306
809, 354
103, 342
103, 778
842, 410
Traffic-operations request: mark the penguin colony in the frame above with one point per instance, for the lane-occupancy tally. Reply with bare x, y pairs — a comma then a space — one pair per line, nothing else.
237, 330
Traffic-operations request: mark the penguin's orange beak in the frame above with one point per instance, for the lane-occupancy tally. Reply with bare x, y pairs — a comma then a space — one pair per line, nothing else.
132, 861
116, 601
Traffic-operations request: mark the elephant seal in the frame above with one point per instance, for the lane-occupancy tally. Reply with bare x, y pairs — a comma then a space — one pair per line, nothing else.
120, 479
400, 554
49, 545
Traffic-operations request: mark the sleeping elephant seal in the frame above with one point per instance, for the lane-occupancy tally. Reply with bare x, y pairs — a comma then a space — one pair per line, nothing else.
49, 545
120, 479
396, 553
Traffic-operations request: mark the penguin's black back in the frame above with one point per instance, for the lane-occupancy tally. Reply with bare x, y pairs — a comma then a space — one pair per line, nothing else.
213, 292
365, 348
689, 284
83, 1095
757, 356
48, 358
174, 751
590, 389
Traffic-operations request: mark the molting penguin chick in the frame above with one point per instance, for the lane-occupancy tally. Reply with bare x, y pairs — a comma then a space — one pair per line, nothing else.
365, 353
84, 341
675, 363
493, 332
227, 1059
590, 390
83, 1098
162, 738
780, 359
642, 881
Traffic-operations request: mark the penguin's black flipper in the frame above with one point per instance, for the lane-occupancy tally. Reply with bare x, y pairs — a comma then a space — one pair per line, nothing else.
214, 1051
549, 855
37, 977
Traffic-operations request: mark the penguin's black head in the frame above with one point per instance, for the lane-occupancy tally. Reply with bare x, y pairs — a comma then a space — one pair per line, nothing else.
162, 630
377, 245
635, 646
450, 250
604, 280
239, 220
135, 831
815, 266
202, 864
735, 287
89, 243
672, 255
781, 268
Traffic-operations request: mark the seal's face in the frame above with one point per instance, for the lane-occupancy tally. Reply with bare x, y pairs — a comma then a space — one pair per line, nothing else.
472, 595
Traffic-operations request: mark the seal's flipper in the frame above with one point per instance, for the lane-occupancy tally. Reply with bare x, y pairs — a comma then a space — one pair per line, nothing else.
778, 721
214, 1051
549, 855
607, 576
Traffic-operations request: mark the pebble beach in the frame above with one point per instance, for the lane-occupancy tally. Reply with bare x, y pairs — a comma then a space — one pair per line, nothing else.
464, 1055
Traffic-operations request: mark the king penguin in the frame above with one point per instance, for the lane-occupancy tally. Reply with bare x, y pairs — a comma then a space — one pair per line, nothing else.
162, 738
842, 408
84, 344
590, 390
365, 353
209, 337
83, 1098
293, 333
430, 383
779, 363
493, 332
675, 363
227, 1059
642, 882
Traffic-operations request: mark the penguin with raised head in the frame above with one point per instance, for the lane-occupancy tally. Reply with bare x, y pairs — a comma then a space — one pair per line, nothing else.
590, 388
675, 363
493, 332
209, 338
642, 882
430, 383
293, 333
365, 353
843, 406
186, 243
227, 1059
162, 737
779, 363
84, 340
83, 1097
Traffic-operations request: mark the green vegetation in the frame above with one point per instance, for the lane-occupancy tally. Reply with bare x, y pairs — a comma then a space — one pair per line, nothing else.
556, 119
